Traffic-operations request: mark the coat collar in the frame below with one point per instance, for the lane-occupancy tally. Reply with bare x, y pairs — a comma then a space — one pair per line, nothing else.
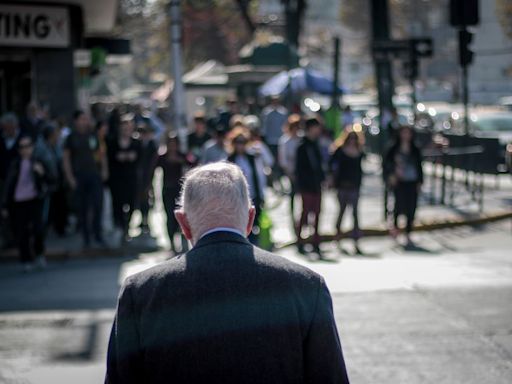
220, 237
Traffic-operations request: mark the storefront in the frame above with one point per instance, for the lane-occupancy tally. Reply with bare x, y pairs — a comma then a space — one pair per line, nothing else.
36, 55
38, 40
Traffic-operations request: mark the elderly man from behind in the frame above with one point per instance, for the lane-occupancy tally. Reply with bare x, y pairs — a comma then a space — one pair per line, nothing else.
226, 311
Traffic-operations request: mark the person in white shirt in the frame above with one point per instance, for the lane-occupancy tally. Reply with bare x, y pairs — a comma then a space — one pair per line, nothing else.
273, 120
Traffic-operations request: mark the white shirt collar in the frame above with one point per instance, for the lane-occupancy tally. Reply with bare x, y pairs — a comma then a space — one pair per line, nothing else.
222, 229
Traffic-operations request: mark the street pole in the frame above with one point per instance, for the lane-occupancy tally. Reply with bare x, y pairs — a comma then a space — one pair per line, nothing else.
465, 98
383, 74
335, 91
179, 115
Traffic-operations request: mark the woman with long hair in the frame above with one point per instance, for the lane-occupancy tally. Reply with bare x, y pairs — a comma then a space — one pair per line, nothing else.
404, 175
346, 172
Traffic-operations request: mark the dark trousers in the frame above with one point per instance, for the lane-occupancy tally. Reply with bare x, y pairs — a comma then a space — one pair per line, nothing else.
146, 199
311, 206
349, 197
59, 210
28, 228
123, 202
406, 200
169, 197
90, 199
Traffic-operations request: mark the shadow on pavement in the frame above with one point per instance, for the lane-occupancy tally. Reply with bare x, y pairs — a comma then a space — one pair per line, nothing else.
85, 284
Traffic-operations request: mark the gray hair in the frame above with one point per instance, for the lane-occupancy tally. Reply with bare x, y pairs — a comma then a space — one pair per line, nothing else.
9, 118
215, 195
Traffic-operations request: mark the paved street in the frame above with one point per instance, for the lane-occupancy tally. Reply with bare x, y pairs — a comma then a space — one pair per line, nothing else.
437, 314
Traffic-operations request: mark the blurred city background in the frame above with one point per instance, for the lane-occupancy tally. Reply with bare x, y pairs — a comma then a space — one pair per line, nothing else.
109, 102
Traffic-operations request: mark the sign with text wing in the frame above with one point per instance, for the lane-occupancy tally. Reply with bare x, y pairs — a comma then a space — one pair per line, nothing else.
34, 26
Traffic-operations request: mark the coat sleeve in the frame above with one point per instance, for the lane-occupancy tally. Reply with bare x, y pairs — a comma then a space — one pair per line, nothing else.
124, 364
323, 356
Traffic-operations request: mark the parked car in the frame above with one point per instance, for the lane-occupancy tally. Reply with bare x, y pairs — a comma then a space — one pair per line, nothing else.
496, 125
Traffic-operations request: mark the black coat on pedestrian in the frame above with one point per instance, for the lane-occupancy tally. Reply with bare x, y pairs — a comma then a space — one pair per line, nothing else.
309, 167
225, 312
43, 183
7, 156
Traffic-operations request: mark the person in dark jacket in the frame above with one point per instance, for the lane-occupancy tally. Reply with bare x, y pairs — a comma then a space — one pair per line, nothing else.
346, 171
85, 169
123, 159
146, 171
9, 137
25, 190
309, 175
226, 311
173, 164
403, 173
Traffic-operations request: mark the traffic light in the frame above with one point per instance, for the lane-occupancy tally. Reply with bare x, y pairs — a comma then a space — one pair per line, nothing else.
465, 54
423, 46
464, 13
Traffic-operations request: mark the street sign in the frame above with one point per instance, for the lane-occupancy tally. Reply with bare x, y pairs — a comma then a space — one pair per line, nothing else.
404, 49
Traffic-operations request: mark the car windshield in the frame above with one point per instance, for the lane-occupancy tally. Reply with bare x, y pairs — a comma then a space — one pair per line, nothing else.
502, 123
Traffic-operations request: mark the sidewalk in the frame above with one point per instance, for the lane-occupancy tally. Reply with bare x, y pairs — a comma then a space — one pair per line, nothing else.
497, 205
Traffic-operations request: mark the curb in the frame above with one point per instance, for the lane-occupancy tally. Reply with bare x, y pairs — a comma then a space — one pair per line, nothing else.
59, 254
423, 227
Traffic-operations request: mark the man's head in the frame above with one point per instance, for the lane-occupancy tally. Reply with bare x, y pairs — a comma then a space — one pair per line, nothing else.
199, 123
313, 128
9, 125
26, 147
127, 126
81, 121
214, 195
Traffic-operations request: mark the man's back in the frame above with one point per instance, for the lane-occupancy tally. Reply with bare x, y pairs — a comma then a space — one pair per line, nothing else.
226, 312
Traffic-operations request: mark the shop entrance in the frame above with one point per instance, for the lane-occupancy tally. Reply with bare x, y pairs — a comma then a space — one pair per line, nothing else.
15, 82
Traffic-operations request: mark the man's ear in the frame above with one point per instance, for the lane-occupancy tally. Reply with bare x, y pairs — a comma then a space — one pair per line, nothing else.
184, 224
250, 222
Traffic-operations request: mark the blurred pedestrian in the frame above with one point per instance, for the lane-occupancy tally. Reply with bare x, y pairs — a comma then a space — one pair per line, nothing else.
44, 151
404, 175
173, 164
309, 173
145, 193
25, 190
225, 312
348, 117
85, 169
9, 137
256, 144
123, 159
32, 123
215, 149
198, 137
102, 130
273, 120
287, 155
253, 169
347, 174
